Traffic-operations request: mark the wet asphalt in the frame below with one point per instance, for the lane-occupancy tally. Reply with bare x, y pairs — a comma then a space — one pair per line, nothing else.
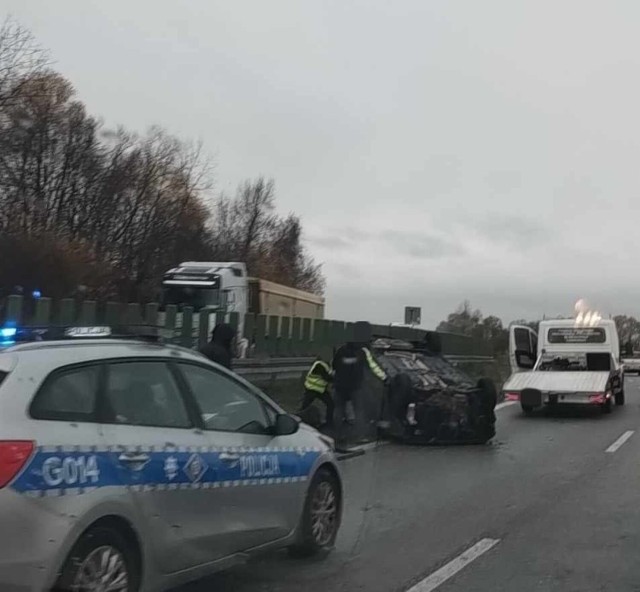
566, 513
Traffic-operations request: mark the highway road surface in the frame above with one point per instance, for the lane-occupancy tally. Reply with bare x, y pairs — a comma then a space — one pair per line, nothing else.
553, 504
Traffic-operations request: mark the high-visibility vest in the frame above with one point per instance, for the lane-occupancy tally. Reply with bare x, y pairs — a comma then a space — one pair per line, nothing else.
315, 382
375, 368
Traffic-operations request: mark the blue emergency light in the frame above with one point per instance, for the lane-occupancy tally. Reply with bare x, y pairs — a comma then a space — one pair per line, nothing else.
8, 335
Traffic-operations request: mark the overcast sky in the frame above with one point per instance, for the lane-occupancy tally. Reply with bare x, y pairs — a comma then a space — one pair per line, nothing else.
436, 150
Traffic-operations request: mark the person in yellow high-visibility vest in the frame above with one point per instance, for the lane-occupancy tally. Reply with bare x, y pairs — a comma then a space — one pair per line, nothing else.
317, 385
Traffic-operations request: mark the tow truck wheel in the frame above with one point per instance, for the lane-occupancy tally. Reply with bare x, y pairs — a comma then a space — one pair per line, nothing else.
527, 409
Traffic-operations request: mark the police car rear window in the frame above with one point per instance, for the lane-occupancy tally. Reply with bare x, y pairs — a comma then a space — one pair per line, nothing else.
68, 395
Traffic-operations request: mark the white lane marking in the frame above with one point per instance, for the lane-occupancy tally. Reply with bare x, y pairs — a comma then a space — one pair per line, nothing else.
449, 570
505, 404
620, 441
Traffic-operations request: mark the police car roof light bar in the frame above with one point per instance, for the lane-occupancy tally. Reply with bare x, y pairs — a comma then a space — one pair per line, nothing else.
147, 333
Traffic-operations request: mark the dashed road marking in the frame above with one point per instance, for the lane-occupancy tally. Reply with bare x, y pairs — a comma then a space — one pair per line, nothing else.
440, 576
620, 441
505, 404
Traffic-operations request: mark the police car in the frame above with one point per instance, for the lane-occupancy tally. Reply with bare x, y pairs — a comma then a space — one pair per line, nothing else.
127, 464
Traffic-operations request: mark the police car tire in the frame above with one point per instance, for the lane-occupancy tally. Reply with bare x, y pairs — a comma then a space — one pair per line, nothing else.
307, 545
92, 539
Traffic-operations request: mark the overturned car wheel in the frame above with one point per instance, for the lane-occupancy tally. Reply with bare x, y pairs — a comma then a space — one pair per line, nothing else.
487, 420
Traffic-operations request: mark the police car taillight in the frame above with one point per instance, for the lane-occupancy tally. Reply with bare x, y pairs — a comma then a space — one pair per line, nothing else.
13, 456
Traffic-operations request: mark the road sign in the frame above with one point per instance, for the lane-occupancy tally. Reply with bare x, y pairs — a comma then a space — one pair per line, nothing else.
412, 315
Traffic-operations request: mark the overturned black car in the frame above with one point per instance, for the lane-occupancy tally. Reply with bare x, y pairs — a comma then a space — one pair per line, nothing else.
429, 400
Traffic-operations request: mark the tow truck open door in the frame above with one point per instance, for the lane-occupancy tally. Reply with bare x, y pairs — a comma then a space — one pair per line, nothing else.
523, 348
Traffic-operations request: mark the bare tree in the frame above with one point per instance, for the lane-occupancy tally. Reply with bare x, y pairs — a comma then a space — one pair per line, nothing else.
21, 59
111, 209
247, 229
254, 214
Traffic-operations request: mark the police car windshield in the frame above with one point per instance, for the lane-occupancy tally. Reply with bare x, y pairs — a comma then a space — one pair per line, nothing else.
194, 296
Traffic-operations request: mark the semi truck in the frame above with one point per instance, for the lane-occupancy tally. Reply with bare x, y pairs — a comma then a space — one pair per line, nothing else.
226, 287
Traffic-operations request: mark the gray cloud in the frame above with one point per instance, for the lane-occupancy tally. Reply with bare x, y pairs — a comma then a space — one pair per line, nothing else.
413, 244
440, 147
421, 246
516, 231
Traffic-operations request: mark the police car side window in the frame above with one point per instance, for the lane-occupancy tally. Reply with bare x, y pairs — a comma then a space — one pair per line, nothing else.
225, 405
144, 394
68, 395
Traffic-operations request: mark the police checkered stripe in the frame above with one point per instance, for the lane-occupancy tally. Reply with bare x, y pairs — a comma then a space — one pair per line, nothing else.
62, 449
38, 493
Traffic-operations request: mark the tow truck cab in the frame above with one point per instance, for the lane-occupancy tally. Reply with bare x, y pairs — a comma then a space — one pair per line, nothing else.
569, 361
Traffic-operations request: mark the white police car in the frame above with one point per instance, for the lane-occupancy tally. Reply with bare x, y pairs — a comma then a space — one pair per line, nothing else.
127, 465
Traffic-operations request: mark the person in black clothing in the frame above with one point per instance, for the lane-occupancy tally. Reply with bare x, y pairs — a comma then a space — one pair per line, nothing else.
350, 363
219, 349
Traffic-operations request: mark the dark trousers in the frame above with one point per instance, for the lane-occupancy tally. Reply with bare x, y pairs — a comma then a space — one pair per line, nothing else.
310, 396
347, 428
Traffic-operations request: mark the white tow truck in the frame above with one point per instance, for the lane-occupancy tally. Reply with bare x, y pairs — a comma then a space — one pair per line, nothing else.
570, 361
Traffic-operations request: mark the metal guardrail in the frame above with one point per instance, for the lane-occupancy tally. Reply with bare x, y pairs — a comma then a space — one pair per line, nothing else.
272, 368
288, 368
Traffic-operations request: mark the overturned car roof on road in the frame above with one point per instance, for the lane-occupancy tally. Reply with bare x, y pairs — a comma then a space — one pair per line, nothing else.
427, 370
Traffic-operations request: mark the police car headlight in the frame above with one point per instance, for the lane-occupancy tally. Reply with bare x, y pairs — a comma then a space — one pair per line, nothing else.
330, 442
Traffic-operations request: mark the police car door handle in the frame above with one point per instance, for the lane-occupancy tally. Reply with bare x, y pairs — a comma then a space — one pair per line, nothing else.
226, 457
134, 459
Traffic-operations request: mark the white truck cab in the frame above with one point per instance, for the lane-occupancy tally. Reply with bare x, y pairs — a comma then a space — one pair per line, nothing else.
569, 361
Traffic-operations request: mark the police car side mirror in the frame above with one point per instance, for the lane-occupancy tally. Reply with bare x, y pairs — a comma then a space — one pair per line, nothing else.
286, 425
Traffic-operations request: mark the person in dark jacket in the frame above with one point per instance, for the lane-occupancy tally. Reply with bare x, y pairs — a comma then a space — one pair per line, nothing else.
220, 348
351, 362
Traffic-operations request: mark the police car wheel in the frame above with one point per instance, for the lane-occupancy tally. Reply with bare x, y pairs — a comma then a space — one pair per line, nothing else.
102, 559
320, 519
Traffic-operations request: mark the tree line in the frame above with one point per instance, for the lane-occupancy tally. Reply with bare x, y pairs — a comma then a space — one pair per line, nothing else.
466, 320
84, 206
